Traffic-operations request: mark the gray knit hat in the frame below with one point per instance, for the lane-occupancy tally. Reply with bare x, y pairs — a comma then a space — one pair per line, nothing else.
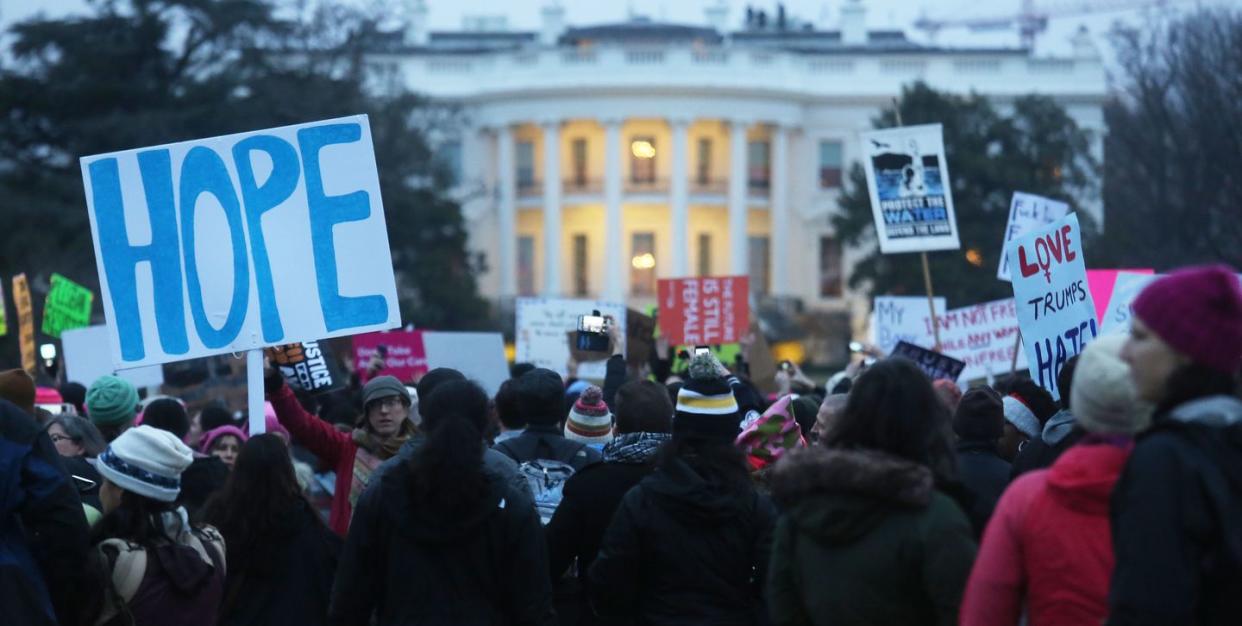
382, 387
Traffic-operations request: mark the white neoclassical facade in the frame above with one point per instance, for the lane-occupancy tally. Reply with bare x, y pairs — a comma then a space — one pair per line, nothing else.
593, 160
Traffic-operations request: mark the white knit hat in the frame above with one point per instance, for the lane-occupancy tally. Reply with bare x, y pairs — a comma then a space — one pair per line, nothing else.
147, 461
1021, 416
1103, 395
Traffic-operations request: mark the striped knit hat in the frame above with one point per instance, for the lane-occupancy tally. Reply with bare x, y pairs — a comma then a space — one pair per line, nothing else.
589, 420
707, 409
147, 461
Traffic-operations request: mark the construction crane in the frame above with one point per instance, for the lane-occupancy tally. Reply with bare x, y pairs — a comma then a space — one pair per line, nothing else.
1032, 20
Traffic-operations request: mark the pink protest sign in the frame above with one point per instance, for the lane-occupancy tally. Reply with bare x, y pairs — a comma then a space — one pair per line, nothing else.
1101, 283
404, 355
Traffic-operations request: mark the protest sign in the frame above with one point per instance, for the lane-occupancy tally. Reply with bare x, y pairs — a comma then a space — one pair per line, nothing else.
4, 320
88, 355
242, 241
402, 351
983, 336
1027, 211
542, 325
1055, 309
934, 364
704, 311
308, 366
911, 196
25, 322
68, 305
1101, 284
901, 318
480, 356
1117, 315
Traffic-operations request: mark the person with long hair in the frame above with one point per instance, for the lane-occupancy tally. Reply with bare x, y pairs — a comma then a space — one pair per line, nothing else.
440, 539
163, 569
281, 555
1177, 508
688, 544
74, 436
378, 435
866, 536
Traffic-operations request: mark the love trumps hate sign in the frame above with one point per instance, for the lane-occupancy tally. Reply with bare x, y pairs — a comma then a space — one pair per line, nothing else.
1055, 309
239, 242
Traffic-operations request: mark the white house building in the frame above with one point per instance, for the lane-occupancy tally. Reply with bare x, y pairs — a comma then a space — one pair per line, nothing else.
594, 159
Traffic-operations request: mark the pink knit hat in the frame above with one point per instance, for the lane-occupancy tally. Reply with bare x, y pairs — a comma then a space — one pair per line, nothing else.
1198, 312
589, 421
212, 435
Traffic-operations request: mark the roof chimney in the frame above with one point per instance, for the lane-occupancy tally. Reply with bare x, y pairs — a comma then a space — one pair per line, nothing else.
416, 26
718, 16
854, 23
553, 24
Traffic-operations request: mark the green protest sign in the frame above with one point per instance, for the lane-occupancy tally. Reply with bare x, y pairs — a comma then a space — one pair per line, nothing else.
68, 306
4, 320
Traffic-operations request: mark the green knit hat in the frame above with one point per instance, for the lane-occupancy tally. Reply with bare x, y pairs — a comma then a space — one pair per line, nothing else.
111, 401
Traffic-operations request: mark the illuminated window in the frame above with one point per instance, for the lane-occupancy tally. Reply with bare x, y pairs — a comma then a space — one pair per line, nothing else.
642, 264
643, 160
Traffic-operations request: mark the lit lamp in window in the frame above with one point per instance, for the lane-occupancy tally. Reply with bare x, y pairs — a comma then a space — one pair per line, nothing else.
642, 149
974, 257
644, 261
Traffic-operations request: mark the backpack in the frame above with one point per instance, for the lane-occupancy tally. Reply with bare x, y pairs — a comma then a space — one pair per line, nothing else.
544, 469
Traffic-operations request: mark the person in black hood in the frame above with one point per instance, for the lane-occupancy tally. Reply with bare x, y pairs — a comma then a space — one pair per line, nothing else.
1059, 432
539, 396
979, 422
689, 543
440, 540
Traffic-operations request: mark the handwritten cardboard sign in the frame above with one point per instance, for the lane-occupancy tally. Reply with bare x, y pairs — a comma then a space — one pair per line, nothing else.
25, 322
934, 364
243, 241
911, 196
543, 327
901, 318
68, 306
704, 311
4, 320
1055, 308
1026, 212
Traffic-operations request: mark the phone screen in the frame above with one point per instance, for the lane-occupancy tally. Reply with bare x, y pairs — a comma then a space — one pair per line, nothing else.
702, 350
591, 323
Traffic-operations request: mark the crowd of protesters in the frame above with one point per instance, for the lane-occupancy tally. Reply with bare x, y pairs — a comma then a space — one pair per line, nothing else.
663, 497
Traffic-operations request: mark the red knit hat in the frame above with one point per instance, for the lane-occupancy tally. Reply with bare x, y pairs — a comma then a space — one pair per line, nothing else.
1198, 312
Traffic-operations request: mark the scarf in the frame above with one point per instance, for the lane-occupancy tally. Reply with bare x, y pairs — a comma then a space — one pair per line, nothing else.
634, 448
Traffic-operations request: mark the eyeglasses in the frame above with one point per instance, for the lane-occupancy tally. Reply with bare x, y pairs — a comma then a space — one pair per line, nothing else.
60, 438
391, 402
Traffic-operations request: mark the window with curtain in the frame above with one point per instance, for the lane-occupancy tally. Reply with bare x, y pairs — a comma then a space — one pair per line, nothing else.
831, 273
643, 160
703, 162
449, 158
642, 264
829, 164
758, 248
579, 156
581, 265
525, 157
704, 265
526, 265
758, 164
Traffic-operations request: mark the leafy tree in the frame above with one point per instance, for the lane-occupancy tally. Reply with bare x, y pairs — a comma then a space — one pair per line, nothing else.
1037, 149
145, 72
1172, 187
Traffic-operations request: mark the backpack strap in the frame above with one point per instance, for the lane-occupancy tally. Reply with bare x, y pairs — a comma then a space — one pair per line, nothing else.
128, 568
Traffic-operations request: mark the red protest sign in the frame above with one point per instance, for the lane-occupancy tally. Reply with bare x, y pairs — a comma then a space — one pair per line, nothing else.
404, 355
704, 311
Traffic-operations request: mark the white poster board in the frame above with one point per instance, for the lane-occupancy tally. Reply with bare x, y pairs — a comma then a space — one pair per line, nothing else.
1118, 314
480, 356
88, 355
1055, 308
902, 318
1027, 211
541, 327
911, 195
983, 336
243, 241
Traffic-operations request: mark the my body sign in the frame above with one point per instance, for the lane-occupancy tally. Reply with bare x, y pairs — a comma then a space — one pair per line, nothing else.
1055, 310
242, 241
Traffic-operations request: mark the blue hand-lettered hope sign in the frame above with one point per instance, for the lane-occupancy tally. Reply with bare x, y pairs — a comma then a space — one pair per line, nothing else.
242, 241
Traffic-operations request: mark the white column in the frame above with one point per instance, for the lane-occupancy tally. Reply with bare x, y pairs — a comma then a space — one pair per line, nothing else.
551, 207
778, 212
679, 200
614, 233
738, 265
507, 218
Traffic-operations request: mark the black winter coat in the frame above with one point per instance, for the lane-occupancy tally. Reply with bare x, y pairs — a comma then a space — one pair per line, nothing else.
290, 582
681, 550
415, 564
984, 474
1177, 520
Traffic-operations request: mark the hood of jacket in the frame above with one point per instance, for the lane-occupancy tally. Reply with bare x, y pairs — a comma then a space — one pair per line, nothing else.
687, 496
841, 495
1214, 411
1058, 426
434, 524
1082, 478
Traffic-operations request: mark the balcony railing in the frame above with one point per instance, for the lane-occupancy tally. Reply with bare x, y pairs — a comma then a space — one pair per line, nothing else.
656, 185
582, 185
529, 188
712, 186
758, 188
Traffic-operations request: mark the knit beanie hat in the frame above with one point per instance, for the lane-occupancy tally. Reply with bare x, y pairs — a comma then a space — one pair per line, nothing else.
706, 407
589, 420
1104, 398
48, 396
382, 387
147, 461
18, 387
210, 437
980, 415
111, 401
770, 437
1020, 415
1198, 312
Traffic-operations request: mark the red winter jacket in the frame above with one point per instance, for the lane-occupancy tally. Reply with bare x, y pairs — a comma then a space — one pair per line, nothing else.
1049, 543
